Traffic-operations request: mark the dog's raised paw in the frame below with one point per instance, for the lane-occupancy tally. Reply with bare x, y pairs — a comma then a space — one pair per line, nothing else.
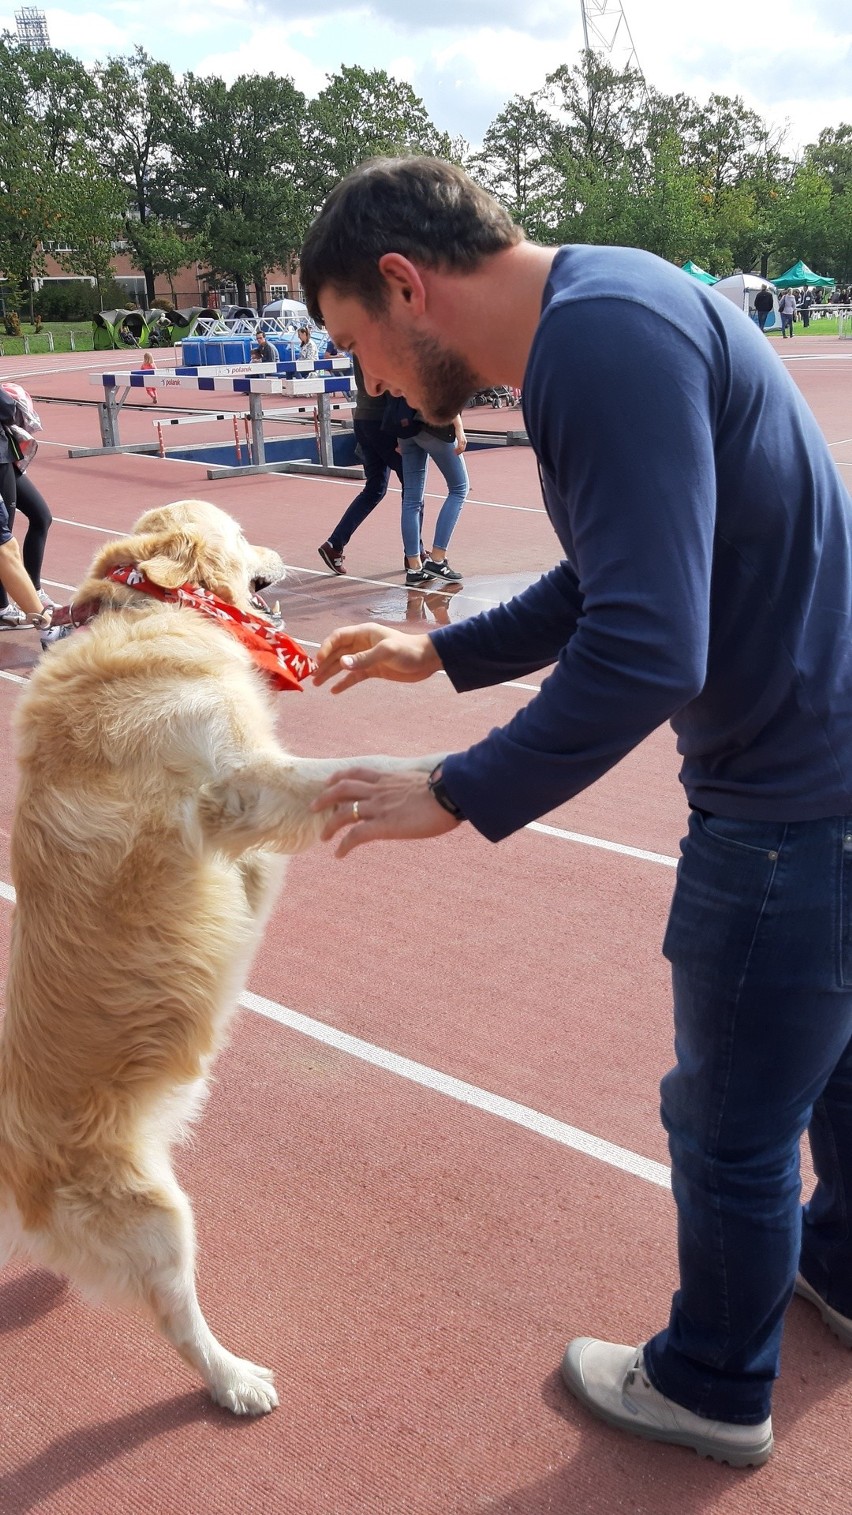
245, 1388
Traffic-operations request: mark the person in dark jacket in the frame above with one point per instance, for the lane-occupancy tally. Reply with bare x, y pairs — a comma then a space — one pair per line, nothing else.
377, 450
763, 304
263, 350
705, 580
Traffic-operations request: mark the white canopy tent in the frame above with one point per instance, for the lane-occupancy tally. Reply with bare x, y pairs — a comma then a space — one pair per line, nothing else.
742, 288
293, 310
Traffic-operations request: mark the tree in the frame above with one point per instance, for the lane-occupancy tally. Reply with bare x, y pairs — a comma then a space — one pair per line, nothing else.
130, 124
44, 95
159, 247
662, 212
803, 220
365, 114
597, 116
91, 218
235, 178
832, 155
516, 165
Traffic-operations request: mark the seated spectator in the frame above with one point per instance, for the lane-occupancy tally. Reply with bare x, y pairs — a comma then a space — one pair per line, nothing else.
264, 352
307, 348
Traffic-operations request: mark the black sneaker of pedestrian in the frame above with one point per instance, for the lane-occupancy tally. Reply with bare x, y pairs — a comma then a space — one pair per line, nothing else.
415, 576
331, 557
442, 570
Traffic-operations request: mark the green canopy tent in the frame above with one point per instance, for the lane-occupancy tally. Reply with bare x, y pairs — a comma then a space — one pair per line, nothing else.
105, 325
157, 332
121, 328
182, 323
697, 273
800, 274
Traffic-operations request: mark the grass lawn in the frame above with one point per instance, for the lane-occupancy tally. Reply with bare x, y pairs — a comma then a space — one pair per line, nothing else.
823, 326
61, 332
38, 342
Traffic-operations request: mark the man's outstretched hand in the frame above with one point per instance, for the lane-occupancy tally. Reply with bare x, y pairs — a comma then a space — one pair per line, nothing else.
375, 652
380, 807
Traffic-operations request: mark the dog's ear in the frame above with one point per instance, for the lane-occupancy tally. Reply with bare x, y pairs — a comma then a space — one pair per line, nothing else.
174, 561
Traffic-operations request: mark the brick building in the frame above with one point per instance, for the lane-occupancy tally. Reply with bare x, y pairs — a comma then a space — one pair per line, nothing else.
193, 285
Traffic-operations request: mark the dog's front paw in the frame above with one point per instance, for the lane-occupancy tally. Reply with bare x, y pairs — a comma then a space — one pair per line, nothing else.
244, 1388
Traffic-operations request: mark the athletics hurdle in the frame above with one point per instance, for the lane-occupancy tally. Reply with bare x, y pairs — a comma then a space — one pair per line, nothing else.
295, 379
222, 415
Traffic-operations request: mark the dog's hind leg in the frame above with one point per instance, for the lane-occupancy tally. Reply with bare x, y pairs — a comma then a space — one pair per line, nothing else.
140, 1250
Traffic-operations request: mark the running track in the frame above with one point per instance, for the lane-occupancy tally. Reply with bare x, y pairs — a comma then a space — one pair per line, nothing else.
432, 1152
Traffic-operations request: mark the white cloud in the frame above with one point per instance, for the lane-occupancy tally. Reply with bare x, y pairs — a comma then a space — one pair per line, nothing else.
467, 60
262, 53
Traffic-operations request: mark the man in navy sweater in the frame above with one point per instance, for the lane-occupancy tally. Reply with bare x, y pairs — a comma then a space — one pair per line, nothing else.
706, 580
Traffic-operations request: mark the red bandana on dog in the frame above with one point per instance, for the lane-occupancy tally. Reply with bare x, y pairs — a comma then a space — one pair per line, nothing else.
278, 656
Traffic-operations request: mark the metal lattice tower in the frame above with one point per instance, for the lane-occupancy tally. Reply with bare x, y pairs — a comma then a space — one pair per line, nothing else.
31, 27
605, 30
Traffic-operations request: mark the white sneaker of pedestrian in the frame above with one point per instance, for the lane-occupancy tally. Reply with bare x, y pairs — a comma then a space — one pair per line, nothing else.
610, 1380
12, 615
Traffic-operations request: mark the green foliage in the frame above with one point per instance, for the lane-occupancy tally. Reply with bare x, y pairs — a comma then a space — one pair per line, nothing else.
236, 176
195, 169
517, 165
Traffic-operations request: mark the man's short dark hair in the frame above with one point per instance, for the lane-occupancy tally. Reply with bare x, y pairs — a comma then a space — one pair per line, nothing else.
423, 208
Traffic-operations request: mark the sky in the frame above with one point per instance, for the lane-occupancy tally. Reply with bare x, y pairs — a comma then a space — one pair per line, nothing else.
466, 60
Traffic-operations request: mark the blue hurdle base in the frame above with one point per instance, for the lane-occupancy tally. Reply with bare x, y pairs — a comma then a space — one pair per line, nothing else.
287, 450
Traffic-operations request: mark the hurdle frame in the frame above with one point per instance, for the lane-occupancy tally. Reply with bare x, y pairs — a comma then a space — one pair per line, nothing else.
319, 381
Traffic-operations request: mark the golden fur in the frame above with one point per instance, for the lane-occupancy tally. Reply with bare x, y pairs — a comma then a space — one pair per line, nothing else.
155, 805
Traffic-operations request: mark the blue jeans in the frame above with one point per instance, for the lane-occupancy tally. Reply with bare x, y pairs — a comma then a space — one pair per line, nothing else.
378, 454
416, 452
760, 942
787, 325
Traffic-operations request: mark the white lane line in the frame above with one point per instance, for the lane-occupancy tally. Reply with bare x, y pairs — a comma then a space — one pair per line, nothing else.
84, 526
452, 1088
596, 841
13, 678
466, 1094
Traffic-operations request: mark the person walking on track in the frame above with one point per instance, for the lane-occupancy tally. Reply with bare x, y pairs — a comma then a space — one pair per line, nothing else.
377, 449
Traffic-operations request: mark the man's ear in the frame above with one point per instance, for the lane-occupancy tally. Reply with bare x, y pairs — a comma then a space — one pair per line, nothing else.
404, 281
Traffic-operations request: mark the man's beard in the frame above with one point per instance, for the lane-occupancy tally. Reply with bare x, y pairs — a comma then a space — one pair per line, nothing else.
445, 378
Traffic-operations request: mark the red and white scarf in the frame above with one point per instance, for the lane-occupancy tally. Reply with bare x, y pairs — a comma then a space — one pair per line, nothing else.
278, 656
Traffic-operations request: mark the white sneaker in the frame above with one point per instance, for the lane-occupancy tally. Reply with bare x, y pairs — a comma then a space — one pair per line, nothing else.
841, 1325
609, 1379
12, 615
46, 601
53, 634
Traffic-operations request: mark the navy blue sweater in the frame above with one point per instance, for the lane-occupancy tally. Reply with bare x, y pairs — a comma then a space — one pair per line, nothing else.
708, 562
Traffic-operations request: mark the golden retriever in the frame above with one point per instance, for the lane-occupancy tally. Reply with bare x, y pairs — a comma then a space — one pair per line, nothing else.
154, 807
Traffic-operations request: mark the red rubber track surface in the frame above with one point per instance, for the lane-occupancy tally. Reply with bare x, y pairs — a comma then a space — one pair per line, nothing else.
410, 1265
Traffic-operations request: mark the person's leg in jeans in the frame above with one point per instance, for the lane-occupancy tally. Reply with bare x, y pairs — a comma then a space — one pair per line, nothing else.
452, 466
826, 1257
415, 462
762, 978
378, 454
